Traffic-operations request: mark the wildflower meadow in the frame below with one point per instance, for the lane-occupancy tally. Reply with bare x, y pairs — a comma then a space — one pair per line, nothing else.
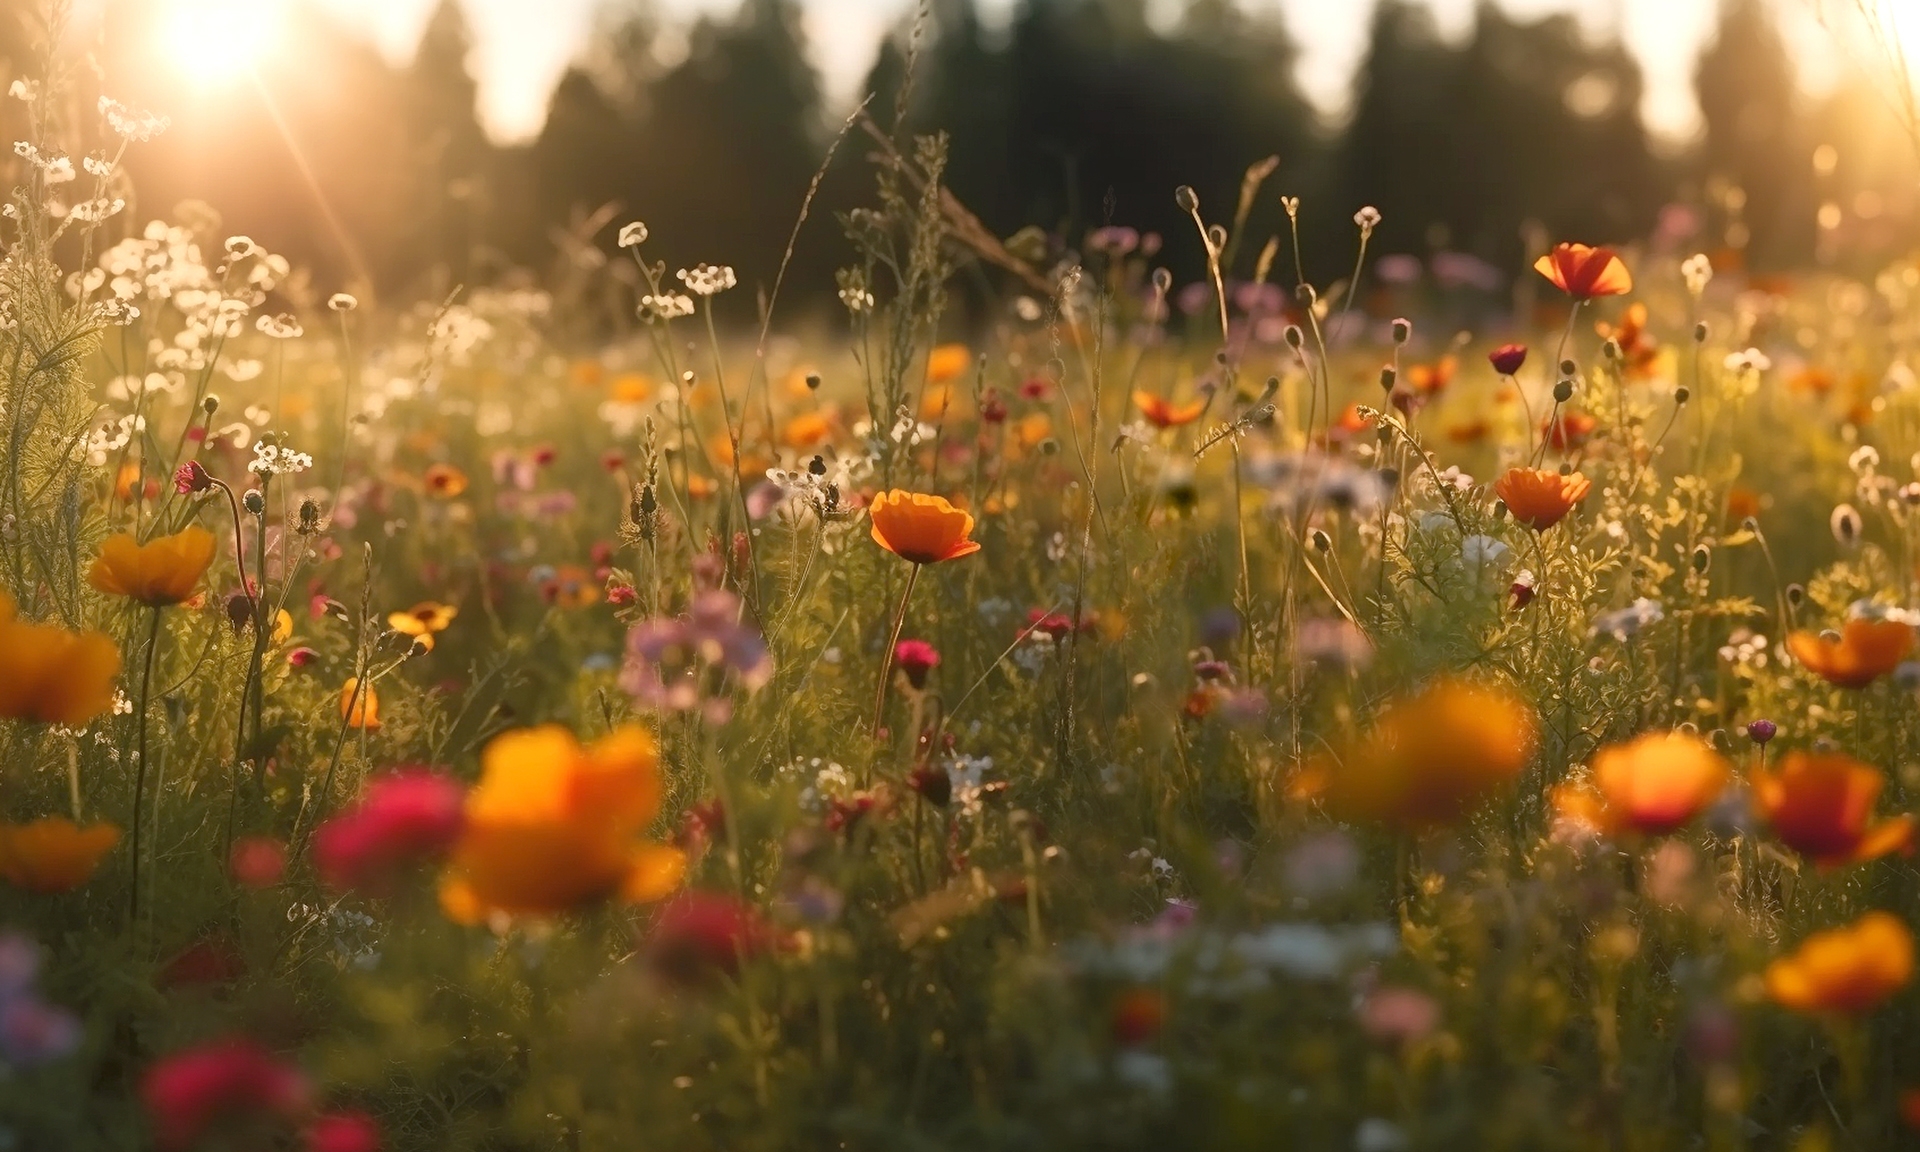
1038, 702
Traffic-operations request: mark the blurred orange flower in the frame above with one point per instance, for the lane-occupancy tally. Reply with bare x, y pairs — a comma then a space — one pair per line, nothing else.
1639, 351
1430, 758
921, 528
1583, 272
1742, 503
1431, 379
1568, 430
445, 481
1820, 804
52, 675
1539, 498
1865, 651
53, 854
359, 709
423, 621
947, 362
1851, 969
1164, 413
1652, 784
162, 571
630, 388
805, 430
552, 826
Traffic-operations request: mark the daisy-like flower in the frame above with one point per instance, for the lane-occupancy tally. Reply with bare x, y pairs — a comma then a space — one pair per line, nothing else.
423, 621
445, 481
164, 570
1584, 272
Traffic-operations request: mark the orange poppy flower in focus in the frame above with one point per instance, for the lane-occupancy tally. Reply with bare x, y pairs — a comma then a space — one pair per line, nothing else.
1163, 413
51, 675
1584, 272
921, 528
1820, 804
162, 571
1851, 969
1655, 783
1429, 758
1865, 651
445, 481
53, 854
1539, 498
552, 826
359, 709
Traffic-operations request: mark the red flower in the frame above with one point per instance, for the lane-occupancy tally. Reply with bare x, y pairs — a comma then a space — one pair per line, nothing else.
190, 478
258, 861
1569, 430
1508, 358
403, 819
699, 933
225, 1082
344, 1132
915, 659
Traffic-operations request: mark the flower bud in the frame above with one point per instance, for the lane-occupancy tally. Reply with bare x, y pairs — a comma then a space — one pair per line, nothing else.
254, 502
1508, 358
1563, 391
1186, 199
1402, 330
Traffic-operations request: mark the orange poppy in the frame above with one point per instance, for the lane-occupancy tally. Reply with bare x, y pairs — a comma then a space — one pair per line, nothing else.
1638, 350
1742, 504
52, 675
1568, 430
445, 481
1653, 784
1584, 272
1851, 969
53, 854
630, 388
1429, 758
361, 709
1470, 431
1164, 413
805, 430
1431, 379
948, 362
162, 571
1820, 804
1539, 498
552, 826
921, 528
1865, 651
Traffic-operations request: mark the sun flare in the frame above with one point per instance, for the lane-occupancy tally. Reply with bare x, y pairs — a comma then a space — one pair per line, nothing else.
216, 41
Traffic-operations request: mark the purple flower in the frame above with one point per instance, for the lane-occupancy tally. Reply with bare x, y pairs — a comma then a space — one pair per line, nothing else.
678, 664
33, 1032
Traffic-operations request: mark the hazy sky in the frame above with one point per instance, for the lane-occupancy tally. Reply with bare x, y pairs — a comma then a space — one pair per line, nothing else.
522, 45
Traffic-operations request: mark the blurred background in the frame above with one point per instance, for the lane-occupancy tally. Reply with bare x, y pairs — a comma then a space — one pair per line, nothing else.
405, 146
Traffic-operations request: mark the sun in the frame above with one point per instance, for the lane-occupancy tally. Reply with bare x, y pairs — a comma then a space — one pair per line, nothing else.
214, 42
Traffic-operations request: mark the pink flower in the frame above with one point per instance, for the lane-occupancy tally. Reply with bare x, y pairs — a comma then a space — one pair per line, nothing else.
403, 819
915, 659
700, 933
192, 1092
258, 861
1402, 1014
344, 1132
190, 478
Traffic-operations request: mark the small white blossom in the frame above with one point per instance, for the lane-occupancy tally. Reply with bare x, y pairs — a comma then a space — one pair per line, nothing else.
707, 279
633, 235
273, 460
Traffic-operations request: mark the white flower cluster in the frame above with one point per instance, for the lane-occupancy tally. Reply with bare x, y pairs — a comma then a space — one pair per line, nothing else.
273, 460
671, 306
707, 279
134, 127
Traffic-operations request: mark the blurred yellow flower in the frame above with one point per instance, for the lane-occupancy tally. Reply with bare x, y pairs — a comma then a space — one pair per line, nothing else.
553, 826
53, 854
423, 621
52, 675
445, 481
1851, 969
360, 709
162, 571
1430, 758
